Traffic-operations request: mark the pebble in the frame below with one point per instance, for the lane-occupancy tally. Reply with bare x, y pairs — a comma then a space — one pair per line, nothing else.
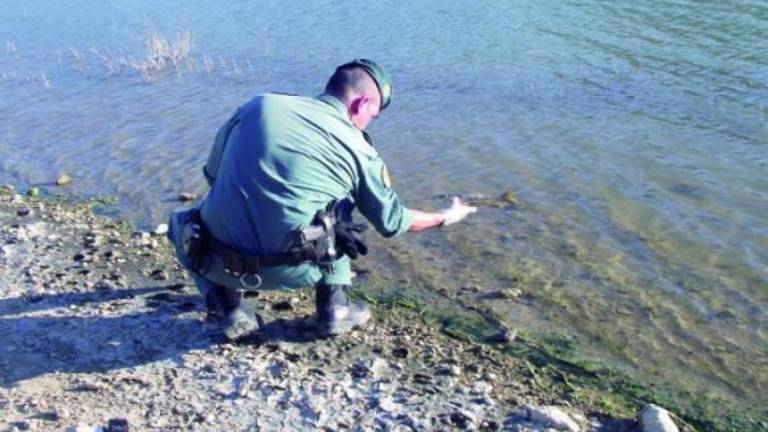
117, 425
379, 367
187, 196
93, 240
112, 254
654, 418
63, 179
463, 419
489, 426
104, 285
21, 426
450, 370
159, 274
161, 229
422, 379
511, 293
551, 416
481, 388
150, 243
400, 352
502, 336
387, 404
85, 428
7, 251
24, 211
359, 370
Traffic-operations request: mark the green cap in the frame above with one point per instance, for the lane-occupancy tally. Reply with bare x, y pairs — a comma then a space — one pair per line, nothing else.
379, 75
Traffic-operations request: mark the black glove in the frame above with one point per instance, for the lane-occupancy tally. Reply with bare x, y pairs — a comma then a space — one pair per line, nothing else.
348, 239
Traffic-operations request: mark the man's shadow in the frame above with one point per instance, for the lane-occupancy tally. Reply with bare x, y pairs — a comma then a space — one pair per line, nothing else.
89, 332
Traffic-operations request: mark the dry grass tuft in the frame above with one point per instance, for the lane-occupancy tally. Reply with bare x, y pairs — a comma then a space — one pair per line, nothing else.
162, 54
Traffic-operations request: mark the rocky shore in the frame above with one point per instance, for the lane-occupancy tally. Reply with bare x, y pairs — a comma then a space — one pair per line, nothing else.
98, 323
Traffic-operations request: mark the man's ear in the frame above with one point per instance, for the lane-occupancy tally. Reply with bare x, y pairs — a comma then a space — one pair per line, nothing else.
358, 104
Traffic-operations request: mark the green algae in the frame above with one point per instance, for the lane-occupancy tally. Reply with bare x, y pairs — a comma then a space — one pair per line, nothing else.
555, 359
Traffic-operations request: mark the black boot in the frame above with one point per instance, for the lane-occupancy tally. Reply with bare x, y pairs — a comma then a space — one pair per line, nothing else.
335, 313
235, 318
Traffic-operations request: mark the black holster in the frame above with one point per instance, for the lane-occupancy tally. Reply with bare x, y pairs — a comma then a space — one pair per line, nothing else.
194, 238
317, 242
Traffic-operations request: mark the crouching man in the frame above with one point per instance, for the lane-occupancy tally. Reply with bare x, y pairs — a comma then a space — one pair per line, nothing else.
285, 173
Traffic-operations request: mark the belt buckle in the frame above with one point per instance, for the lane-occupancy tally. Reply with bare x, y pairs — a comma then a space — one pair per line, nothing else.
250, 286
255, 275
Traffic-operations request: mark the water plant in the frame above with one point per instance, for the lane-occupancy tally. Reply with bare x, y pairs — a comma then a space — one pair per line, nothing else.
163, 54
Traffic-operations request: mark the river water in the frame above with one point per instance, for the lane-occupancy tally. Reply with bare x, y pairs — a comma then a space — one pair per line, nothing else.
633, 135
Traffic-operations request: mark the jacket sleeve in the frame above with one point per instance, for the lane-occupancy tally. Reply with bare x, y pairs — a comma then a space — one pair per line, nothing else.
211, 168
377, 201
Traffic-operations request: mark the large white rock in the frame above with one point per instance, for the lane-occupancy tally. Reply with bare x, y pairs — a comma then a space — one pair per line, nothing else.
654, 418
161, 229
552, 416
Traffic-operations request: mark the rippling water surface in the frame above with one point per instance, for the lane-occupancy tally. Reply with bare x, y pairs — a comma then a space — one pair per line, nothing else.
633, 134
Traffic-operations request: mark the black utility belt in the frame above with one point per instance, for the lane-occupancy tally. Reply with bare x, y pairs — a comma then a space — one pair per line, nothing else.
237, 263
312, 244
248, 267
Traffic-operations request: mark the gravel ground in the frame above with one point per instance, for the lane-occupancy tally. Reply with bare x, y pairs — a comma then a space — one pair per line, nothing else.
98, 322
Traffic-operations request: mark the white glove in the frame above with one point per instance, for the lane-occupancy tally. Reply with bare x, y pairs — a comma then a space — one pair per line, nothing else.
456, 212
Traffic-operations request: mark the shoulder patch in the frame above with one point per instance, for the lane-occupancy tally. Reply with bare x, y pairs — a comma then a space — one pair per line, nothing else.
385, 177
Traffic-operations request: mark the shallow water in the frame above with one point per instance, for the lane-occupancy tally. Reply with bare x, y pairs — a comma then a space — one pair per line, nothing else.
634, 136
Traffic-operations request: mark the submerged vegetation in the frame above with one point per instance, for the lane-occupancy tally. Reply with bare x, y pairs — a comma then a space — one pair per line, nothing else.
162, 56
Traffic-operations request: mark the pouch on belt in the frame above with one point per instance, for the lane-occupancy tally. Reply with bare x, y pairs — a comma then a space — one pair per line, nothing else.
185, 233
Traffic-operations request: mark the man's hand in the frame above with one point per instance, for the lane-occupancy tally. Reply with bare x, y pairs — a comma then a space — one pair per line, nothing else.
456, 212
428, 220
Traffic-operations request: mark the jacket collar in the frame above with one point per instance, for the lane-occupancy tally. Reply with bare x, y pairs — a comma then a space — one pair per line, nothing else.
334, 102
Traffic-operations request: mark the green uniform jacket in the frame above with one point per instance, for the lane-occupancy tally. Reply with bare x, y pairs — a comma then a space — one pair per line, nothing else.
279, 160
